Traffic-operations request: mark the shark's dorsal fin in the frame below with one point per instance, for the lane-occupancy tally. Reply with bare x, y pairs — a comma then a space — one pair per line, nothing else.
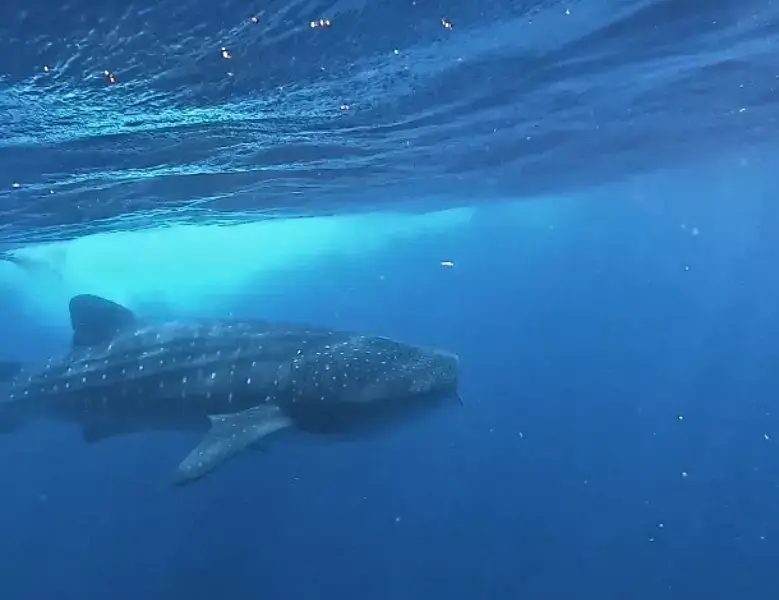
96, 320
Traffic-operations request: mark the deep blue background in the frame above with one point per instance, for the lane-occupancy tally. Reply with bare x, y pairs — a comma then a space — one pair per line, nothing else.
625, 339
583, 342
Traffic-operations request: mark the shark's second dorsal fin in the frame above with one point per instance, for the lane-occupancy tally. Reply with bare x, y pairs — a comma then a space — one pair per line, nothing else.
96, 320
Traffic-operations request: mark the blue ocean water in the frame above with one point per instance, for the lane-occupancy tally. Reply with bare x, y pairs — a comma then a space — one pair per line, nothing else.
579, 198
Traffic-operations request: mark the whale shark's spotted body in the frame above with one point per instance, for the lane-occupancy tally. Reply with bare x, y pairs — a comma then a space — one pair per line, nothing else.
250, 378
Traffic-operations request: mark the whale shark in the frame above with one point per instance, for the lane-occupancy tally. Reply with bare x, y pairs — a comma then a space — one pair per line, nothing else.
237, 380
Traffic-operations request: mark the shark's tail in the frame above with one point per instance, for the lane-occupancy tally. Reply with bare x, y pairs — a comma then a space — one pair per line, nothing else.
9, 370
9, 419
51, 264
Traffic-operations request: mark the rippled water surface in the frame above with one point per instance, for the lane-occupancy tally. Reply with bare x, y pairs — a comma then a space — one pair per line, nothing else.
117, 115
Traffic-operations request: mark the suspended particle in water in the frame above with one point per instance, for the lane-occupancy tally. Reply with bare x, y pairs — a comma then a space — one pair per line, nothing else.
447, 264
255, 20
447, 23
226, 53
320, 23
110, 77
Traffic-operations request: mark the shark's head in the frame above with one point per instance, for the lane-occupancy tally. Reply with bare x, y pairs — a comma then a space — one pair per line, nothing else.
431, 373
367, 380
401, 376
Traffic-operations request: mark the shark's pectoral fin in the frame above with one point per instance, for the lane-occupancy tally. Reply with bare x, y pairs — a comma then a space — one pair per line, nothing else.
229, 434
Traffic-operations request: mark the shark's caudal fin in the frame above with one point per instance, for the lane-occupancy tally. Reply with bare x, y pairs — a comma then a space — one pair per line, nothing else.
52, 264
96, 320
229, 434
9, 419
9, 370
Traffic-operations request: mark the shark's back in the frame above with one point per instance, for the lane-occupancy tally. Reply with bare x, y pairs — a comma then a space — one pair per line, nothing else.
177, 368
